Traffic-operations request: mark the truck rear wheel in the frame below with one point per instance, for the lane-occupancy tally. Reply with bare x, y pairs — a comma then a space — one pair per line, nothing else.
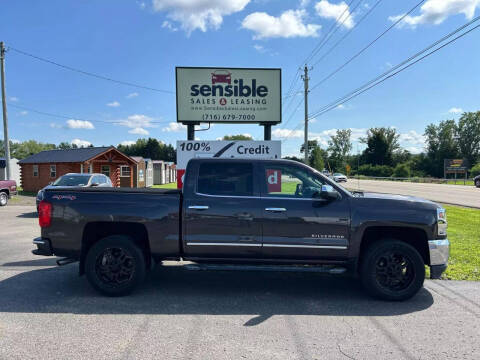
3, 198
115, 266
392, 270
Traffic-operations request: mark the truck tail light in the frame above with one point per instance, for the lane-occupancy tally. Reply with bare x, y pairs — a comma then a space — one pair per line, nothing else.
44, 214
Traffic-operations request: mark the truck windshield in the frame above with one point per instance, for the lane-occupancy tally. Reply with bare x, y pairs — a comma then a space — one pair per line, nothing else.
72, 180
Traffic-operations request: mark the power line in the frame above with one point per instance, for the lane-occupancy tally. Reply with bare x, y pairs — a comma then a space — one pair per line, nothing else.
367, 46
326, 37
75, 117
89, 73
363, 89
348, 32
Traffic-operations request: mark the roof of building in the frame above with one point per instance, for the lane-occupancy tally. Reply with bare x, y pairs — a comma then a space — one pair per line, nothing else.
68, 155
137, 158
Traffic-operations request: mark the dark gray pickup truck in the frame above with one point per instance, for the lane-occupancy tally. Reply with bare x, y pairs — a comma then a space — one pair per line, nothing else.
274, 212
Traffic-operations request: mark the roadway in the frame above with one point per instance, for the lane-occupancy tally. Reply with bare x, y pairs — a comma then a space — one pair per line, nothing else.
449, 194
48, 312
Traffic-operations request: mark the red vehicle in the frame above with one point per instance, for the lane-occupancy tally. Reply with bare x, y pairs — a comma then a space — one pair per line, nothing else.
7, 189
221, 76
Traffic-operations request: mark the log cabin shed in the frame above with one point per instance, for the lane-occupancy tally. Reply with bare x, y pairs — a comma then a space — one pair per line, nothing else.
40, 169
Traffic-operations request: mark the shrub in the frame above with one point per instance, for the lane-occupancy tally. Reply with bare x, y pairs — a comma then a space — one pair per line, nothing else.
475, 170
401, 170
375, 170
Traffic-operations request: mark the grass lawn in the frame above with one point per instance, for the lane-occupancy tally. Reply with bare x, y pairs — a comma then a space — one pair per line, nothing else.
166, 186
464, 235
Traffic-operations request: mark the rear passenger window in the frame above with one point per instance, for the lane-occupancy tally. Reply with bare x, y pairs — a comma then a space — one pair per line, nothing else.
225, 179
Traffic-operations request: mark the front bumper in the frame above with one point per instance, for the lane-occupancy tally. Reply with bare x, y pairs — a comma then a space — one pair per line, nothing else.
439, 254
43, 247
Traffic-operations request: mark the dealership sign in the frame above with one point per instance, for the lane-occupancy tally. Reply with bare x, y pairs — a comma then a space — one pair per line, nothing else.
187, 150
228, 95
455, 165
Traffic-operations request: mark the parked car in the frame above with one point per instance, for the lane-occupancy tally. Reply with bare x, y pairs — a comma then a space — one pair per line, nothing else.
476, 181
76, 179
338, 177
246, 211
7, 189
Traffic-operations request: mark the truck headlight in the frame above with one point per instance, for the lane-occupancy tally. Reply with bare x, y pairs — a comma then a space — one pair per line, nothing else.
442, 221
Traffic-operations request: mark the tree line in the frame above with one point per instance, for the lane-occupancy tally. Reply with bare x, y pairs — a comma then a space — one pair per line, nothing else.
147, 148
383, 155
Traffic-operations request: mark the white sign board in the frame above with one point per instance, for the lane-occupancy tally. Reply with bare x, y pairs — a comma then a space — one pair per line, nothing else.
224, 149
228, 95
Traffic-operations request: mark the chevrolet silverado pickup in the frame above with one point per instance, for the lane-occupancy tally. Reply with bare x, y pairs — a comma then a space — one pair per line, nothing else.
275, 212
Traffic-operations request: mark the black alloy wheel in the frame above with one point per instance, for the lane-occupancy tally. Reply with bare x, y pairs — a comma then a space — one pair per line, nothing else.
392, 269
115, 265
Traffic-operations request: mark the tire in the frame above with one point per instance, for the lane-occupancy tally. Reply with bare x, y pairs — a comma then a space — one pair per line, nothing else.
392, 270
3, 198
477, 183
108, 273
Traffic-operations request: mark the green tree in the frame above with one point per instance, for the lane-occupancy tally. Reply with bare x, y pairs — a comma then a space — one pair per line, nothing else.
339, 146
314, 152
238, 137
468, 136
401, 171
316, 156
26, 148
149, 148
381, 143
441, 143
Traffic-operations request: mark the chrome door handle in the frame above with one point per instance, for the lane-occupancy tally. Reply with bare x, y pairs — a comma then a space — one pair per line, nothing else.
198, 207
275, 209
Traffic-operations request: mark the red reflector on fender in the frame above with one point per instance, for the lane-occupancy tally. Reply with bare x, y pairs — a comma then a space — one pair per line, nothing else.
44, 214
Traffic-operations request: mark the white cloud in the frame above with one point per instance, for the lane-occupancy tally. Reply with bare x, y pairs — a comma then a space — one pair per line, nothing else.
132, 95
259, 48
79, 124
168, 25
334, 11
412, 137
127, 142
81, 143
141, 5
287, 133
56, 126
113, 104
137, 121
23, 113
138, 131
304, 3
15, 141
455, 110
199, 14
341, 107
174, 127
288, 25
13, 99
437, 11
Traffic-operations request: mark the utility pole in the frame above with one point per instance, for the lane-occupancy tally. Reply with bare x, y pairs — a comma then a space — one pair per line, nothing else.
305, 81
4, 105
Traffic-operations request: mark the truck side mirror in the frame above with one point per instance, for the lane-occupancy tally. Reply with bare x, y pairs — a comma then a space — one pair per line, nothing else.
329, 193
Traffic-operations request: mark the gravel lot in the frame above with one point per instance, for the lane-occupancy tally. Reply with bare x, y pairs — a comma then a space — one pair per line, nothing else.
449, 194
49, 312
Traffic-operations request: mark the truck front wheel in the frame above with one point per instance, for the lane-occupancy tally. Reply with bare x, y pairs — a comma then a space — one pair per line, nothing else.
392, 270
115, 266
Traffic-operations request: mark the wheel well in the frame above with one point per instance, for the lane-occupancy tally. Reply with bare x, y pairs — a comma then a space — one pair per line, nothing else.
412, 236
6, 191
96, 231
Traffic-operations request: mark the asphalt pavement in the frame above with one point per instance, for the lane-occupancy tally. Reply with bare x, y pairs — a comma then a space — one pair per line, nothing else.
50, 312
448, 194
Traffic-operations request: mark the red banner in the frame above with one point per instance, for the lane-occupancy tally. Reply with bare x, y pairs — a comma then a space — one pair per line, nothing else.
274, 180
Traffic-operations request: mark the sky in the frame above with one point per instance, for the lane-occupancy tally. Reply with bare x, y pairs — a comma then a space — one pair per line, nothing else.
141, 42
